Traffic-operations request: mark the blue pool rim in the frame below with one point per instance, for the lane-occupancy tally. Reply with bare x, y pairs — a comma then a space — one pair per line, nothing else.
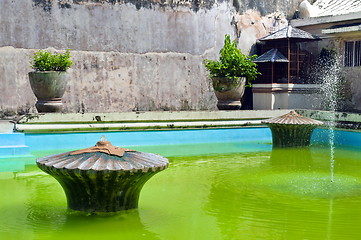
173, 137
19, 149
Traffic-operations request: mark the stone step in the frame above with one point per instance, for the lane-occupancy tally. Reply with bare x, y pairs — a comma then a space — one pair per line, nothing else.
10, 139
11, 165
14, 150
14, 154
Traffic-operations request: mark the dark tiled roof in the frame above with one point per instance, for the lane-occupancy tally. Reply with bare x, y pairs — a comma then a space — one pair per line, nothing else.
337, 7
290, 32
273, 55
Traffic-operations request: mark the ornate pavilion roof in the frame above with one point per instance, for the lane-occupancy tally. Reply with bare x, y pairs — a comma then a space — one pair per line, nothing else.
273, 55
290, 32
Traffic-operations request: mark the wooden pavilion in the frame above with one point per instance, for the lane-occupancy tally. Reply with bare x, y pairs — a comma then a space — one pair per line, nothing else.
282, 85
289, 58
268, 62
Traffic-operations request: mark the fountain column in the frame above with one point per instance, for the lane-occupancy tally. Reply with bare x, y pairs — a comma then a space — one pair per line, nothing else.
291, 130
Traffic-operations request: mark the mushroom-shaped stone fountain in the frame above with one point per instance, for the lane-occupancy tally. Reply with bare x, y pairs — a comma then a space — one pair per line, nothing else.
291, 130
103, 178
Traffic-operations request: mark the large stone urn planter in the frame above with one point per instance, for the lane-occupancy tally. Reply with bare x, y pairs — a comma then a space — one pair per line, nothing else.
49, 88
229, 92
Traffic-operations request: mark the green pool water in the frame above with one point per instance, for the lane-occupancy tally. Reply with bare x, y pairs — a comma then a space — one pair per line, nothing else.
254, 194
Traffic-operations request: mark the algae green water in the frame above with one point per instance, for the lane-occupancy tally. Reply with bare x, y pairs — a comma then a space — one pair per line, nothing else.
255, 193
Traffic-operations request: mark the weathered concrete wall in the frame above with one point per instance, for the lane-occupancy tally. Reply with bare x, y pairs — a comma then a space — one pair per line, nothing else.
106, 27
114, 82
265, 7
353, 89
93, 26
129, 55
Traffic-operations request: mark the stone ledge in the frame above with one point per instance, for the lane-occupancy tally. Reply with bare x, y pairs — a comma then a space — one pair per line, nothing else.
58, 122
127, 121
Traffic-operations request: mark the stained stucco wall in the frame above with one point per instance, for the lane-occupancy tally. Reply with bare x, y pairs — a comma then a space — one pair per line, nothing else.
128, 55
351, 85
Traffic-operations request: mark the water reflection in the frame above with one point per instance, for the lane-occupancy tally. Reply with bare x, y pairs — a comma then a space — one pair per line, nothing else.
33, 206
254, 195
289, 196
292, 159
22, 209
121, 225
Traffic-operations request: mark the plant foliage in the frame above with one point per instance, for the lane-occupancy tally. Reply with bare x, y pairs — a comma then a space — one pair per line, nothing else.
44, 60
232, 63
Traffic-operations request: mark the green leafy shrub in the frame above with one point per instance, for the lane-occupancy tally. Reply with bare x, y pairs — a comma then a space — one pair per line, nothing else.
44, 60
232, 63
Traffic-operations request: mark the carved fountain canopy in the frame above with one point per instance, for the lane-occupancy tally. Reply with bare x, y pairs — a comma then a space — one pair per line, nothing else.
291, 130
105, 156
102, 178
292, 118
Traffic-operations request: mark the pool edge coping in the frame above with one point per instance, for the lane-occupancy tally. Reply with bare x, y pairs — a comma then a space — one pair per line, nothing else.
65, 122
125, 121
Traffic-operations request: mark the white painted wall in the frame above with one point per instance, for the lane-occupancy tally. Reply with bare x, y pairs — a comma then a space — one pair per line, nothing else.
286, 96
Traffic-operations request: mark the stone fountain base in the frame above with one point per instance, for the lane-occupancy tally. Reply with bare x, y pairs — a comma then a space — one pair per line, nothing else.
103, 178
291, 130
101, 191
291, 135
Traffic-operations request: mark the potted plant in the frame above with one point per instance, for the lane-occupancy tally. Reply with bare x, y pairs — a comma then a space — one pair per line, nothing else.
230, 74
49, 79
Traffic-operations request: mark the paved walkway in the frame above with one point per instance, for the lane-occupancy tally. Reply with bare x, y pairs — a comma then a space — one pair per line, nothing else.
6, 126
